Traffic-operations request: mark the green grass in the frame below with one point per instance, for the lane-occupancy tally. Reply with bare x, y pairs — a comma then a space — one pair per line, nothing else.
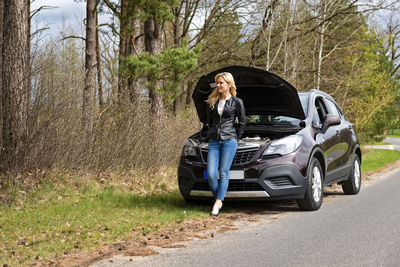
66, 220
378, 158
394, 134
381, 143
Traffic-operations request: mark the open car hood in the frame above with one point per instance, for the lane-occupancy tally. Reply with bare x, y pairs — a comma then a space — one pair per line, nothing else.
261, 91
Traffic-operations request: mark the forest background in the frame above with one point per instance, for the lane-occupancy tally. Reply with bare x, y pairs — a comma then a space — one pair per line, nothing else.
117, 96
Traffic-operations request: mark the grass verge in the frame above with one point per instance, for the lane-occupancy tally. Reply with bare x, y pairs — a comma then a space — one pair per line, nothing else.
380, 143
376, 159
55, 219
75, 212
394, 133
393, 136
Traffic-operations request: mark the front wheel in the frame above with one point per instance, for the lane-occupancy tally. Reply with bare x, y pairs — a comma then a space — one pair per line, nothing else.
353, 185
314, 191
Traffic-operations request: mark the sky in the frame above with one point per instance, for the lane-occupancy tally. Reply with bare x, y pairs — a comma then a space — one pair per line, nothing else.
68, 9
62, 17
66, 15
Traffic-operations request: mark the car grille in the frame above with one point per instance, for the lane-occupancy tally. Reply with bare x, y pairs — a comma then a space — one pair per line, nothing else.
233, 186
280, 181
242, 157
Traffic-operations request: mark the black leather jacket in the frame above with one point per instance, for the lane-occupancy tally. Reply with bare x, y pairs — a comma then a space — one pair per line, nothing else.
222, 127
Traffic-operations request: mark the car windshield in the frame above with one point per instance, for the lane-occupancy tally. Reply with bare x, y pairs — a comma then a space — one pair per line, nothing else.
304, 102
265, 119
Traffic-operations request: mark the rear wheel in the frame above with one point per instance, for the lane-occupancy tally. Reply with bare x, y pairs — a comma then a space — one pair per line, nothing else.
314, 191
353, 185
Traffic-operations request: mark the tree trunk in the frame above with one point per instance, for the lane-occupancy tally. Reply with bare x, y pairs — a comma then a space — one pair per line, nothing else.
89, 92
178, 32
28, 52
99, 76
153, 43
134, 47
122, 83
1, 71
15, 76
188, 98
130, 30
319, 61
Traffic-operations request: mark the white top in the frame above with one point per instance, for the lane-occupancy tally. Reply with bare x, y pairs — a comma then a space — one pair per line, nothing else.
221, 105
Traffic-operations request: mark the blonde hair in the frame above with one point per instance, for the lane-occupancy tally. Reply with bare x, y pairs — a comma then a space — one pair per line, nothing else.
213, 97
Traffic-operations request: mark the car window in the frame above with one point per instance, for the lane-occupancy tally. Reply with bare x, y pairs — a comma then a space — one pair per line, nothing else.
321, 109
332, 108
316, 120
304, 102
339, 110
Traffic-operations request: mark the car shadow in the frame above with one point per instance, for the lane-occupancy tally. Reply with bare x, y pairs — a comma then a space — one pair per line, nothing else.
176, 202
247, 207
333, 192
260, 207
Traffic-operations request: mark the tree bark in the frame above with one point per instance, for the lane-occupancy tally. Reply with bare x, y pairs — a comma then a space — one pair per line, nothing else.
89, 92
15, 76
130, 32
321, 45
178, 35
1, 71
134, 47
99, 75
122, 83
153, 44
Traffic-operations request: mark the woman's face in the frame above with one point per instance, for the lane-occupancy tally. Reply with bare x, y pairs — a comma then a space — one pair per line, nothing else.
222, 85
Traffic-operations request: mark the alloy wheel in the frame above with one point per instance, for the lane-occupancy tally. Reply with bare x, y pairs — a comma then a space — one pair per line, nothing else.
357, 174
316, 184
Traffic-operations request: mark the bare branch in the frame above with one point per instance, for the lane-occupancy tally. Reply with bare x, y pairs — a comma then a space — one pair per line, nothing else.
39, 30
72, 37
113, 8
34, 12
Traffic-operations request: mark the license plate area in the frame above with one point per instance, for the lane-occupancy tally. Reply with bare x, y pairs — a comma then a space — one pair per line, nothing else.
236, 175
233, 175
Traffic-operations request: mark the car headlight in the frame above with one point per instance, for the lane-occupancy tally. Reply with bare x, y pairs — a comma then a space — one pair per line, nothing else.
284, 146
189, 148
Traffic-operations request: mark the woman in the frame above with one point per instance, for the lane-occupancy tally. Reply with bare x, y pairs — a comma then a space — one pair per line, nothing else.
224, 108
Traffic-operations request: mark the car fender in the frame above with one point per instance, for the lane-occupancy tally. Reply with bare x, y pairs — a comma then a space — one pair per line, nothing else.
357, 147
319, 154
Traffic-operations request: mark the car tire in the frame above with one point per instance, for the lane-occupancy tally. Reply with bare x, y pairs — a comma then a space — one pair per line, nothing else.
314, 188
353, 185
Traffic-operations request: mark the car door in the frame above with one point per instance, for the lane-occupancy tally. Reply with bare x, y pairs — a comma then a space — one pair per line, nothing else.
345, 134
326, 138
340, 151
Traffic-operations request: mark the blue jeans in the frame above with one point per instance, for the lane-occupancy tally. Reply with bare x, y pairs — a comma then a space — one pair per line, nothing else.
220, 157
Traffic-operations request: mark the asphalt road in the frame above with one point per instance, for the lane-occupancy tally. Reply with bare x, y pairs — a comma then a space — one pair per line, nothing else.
361, 230
394, 141
395, 144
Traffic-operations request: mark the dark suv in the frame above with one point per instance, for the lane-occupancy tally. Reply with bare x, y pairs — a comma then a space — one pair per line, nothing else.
295, 143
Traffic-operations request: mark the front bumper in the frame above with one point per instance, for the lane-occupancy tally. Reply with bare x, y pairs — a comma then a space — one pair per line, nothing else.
271, 183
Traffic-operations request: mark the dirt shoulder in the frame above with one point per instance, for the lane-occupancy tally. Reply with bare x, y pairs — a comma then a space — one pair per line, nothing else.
234, 216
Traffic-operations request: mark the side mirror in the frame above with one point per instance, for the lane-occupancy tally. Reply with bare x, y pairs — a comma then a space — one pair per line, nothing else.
330, 120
